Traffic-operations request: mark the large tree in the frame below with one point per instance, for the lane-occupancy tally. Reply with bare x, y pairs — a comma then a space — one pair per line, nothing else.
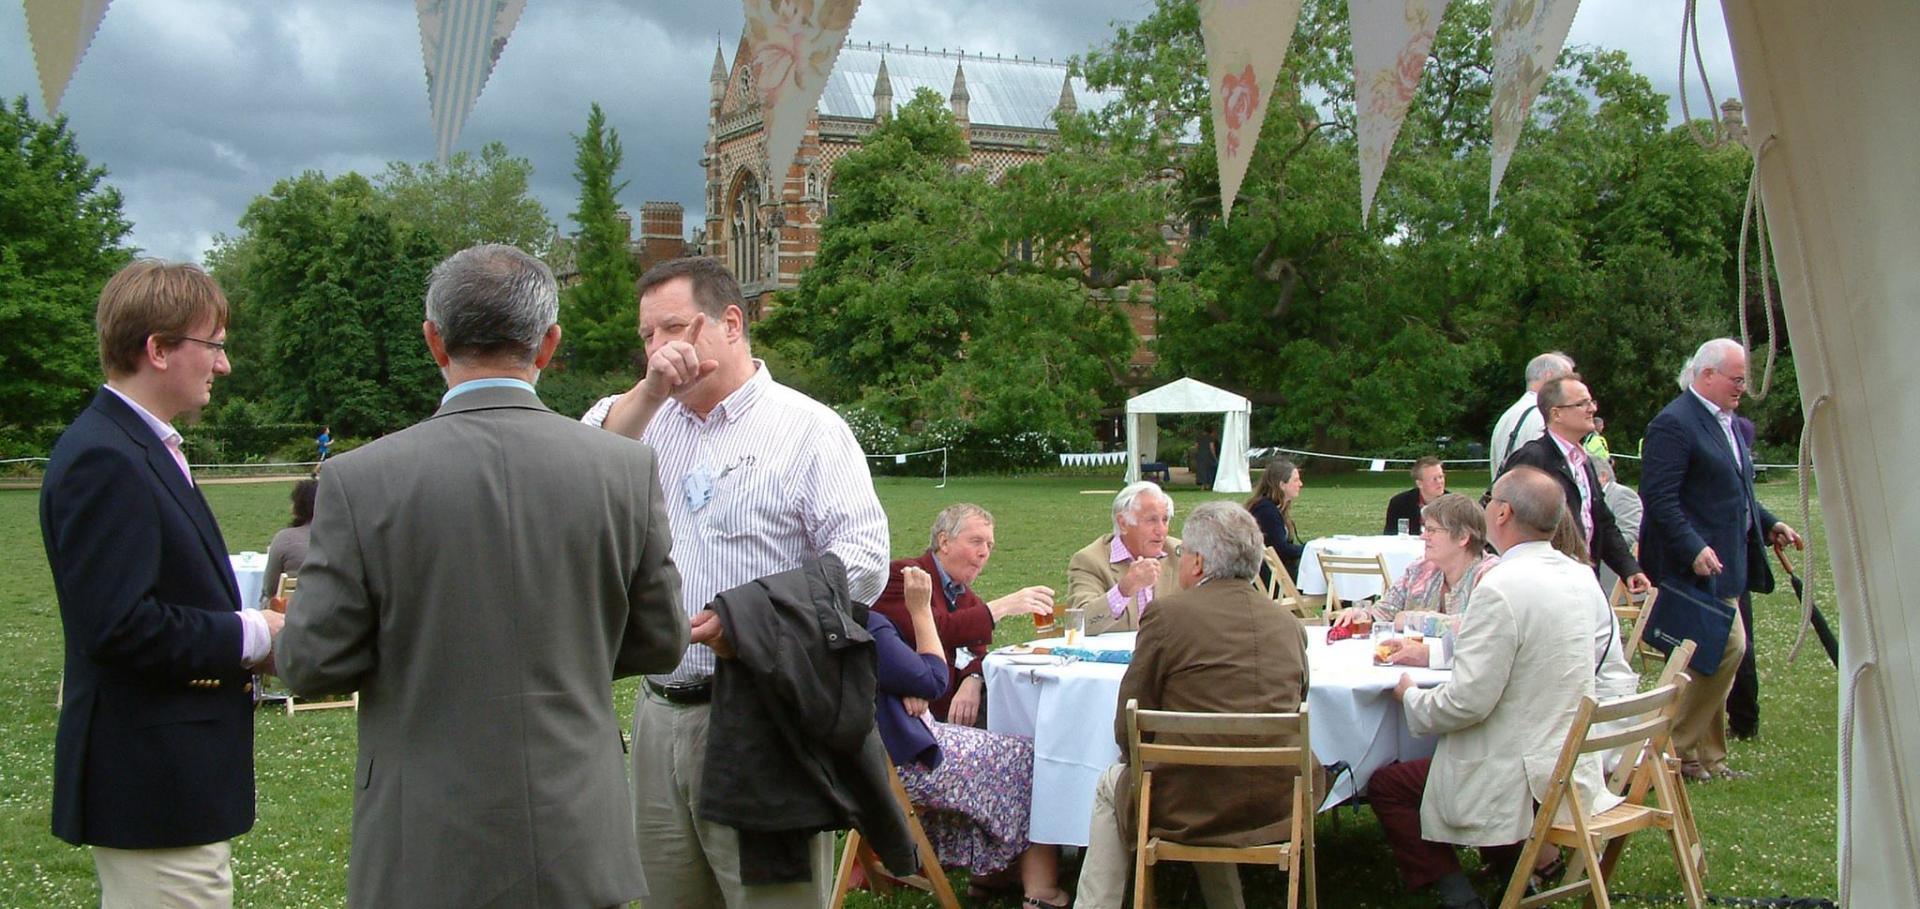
469, 200
910, 310
61, 232
598, 312
1610, 239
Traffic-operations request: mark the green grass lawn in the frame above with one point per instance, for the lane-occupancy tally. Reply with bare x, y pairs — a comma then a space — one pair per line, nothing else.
1770, 834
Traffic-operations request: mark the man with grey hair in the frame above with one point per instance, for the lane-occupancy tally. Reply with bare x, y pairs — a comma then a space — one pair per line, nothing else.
958, 548
481, 578
1116, 577
1218, 645
1523, 422
1523, 661
1705, 531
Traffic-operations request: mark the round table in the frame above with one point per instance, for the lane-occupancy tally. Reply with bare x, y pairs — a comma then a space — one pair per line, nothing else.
1068, 707
1399, 551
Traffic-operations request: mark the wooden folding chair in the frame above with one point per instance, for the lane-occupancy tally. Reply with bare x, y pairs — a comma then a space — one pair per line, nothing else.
1622, 776
857, 854
1637, 648
1373, 566
1278, 740
1648, 719
1279, 586
283, 594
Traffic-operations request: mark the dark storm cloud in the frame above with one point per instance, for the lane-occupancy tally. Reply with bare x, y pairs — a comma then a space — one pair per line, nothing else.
197, 106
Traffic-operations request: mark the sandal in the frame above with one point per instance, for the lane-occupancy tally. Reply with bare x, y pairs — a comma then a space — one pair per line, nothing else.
1034, 902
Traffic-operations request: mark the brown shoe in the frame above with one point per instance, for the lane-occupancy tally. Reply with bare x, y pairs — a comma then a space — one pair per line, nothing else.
1728, 773
1693, 772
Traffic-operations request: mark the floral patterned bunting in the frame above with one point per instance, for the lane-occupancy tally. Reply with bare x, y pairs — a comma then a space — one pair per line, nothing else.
1246, 46
461, 40
1390, 43
1527, 37
791, 48
60, 31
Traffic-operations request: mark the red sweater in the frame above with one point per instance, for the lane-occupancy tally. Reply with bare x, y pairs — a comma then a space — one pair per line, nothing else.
964, 624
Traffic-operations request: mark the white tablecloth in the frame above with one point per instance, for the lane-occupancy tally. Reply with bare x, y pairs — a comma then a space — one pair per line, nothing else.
1068, 710
249, 571
1400, 552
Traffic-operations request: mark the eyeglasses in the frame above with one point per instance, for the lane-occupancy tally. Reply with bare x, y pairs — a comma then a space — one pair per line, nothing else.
219, 347
1588, 404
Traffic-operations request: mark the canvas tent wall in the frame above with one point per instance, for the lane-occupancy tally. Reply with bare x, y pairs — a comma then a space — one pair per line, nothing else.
1830, 92
1191, 396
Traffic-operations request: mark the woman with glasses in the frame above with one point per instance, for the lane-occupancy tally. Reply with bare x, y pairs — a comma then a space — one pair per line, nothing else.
1454, 529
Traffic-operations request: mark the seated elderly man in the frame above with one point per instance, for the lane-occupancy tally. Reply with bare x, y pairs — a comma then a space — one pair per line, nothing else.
1116, 577
1216, 646
1523, 660
1429, 483
957, 551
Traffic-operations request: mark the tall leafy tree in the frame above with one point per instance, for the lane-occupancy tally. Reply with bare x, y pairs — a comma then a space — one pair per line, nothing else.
598, 313
469, 200
61, 235
912, 309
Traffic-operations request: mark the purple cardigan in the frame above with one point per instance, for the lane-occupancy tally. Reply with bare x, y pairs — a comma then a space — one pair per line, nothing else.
901, 672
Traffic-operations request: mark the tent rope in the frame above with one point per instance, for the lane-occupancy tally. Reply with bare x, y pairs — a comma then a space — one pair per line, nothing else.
1753, 219
1690, 30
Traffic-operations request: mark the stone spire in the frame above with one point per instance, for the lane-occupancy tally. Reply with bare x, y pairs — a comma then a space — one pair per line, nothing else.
1067, 106
882, 93
959, 96
1733, 121
717, 80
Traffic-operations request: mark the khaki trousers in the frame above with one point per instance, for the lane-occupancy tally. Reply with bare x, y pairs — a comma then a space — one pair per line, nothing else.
1700, 728
692, 863
191, 877
1109, 860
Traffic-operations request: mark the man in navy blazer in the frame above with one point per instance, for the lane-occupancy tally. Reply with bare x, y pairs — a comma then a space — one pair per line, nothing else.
1704, 528
153, 758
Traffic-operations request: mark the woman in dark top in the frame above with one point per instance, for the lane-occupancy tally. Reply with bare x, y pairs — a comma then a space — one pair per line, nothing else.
1272, 508
287, 554
975, 787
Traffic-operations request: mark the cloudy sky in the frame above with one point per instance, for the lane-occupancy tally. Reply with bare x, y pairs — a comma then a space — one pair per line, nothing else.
196, 106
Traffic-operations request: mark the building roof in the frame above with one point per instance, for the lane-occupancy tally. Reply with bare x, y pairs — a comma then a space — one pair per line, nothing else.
1017, 92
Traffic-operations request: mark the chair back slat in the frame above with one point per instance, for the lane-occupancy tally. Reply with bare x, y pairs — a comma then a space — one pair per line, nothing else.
1188, 723
1220, 755
1632, 705
1640, 732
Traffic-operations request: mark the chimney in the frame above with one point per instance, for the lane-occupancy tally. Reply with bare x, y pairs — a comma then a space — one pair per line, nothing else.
1733, 121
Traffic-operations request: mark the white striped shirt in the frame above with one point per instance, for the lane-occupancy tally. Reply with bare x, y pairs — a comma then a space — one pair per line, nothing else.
789, 483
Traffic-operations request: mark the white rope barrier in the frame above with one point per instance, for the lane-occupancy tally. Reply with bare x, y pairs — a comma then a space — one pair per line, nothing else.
900, 457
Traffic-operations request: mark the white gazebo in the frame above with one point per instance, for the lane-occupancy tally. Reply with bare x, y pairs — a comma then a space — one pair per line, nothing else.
1191, 396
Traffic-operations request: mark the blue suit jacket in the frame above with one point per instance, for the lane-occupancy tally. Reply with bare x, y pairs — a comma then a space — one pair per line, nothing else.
1698, 494
155, 741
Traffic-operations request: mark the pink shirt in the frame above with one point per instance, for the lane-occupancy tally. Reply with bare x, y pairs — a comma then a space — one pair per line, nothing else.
1577, 459
1116, 602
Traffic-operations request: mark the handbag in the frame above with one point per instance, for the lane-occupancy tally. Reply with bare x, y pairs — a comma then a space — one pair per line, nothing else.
1685, 613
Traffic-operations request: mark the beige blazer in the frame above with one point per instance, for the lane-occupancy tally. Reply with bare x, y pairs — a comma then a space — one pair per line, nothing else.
1521, 664
1091, 573
482, 578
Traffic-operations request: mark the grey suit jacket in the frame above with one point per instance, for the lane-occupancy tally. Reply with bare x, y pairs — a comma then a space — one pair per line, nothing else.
481, 578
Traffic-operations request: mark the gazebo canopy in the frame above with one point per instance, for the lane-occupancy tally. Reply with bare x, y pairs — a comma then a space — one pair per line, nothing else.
1191, 396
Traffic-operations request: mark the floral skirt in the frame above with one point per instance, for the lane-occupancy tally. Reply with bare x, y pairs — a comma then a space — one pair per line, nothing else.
975, 805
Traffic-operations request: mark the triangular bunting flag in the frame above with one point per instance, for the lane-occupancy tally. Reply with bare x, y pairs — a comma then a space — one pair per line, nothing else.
1527, 37
1246, 45
791, 47
60, 31
1390, 43
461, 40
